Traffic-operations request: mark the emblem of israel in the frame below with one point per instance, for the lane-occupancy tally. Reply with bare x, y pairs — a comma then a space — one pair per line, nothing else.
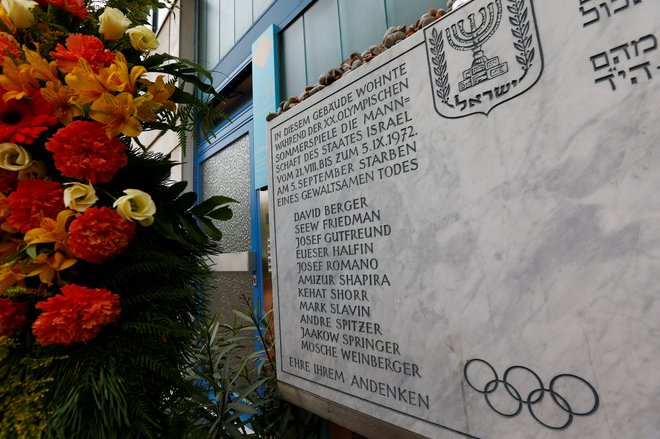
482, 55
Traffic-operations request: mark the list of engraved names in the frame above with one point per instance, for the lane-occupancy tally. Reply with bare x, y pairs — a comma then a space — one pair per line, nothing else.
326, 161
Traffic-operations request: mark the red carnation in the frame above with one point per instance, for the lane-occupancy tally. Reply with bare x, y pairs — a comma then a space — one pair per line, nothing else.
22, 121
99, 234
83, 151
8, 181
34, 200
82, 46
73, 7
75, 316
12, 316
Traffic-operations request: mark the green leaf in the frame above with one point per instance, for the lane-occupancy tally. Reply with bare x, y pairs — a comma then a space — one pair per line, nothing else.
210, 229
243, 408
247, 392
208, 205
160, 126
155, 60
182, 97
213, 331
242, 316
31, 251
176, 189
192, 228
185, 201
158, 59
164, 226
248, 328
223, 213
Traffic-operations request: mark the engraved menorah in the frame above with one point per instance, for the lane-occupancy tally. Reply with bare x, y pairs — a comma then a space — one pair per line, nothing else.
460, 38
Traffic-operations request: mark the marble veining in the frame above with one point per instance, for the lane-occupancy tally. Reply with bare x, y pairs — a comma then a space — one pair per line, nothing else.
527, 237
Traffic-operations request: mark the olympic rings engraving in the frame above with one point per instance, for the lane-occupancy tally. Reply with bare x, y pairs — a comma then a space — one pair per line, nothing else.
534, 397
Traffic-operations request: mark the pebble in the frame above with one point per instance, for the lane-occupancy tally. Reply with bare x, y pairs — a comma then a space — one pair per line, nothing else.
316, 89
393, 36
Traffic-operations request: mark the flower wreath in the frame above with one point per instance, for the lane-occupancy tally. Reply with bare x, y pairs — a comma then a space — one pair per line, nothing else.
102, 258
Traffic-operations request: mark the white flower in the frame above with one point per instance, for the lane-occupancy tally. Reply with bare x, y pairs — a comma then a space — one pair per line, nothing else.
142, 38
113, 24
136, 205
19, 13
79, 196
14, 157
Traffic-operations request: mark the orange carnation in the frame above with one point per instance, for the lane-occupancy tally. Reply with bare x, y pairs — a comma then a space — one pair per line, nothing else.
75, 316
8, 47
12, 316
23, 120
82, 46
100, 234
83, 151
34, 200
73, 7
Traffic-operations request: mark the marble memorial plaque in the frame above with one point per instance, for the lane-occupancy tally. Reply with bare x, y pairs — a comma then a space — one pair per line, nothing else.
465, 231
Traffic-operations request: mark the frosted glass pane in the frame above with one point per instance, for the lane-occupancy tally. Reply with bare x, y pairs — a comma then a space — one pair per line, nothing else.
362, 24
259, 6
228, 173
226, 26
408, 12
242, 17
212, 32
226, 292
321, 39
294, 78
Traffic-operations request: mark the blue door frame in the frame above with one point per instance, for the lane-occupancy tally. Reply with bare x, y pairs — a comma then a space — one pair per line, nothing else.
278, 15
239, 125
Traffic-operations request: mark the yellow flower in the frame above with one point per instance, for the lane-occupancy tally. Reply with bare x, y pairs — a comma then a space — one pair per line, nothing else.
117, 78
136, 205
147, 109
155, 99
39, 67
142, 38
79, 196
9, 248
59, 96
17, 80
113, 24
14, 157
84, 83
117, 113
162, 92
19, 13
51, 231
9, 276
46, 267
36, 171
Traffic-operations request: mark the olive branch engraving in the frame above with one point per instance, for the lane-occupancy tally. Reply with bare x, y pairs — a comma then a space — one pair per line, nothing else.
440, 69
520, 21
